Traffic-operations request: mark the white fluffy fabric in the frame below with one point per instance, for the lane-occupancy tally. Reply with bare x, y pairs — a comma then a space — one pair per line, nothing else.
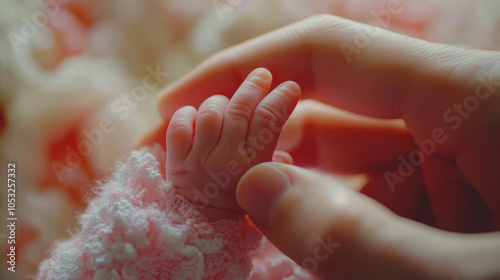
137, 227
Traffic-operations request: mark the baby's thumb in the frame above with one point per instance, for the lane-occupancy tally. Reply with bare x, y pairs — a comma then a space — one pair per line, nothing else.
330, 229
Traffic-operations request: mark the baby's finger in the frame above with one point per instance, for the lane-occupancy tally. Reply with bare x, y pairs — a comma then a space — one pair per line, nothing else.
240, 109
180, 138
282, 157
209, 124
268, 120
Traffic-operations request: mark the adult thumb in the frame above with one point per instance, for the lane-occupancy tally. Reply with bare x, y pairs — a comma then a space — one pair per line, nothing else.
338, 233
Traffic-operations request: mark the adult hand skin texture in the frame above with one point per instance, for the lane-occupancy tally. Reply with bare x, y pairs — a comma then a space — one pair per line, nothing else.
449, 100
337, 233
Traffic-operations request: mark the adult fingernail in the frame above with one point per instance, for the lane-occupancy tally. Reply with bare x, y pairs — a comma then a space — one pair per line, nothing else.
259, 192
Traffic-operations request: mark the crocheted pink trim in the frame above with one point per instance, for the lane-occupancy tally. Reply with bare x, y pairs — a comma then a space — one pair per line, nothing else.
137, 227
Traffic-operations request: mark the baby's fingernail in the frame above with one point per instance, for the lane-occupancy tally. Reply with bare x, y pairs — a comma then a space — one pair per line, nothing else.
259, 192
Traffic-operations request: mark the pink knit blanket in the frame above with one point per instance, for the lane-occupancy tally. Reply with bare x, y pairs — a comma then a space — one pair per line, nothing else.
137, 227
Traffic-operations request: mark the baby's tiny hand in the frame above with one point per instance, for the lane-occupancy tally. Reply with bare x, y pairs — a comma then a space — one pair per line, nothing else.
209, 149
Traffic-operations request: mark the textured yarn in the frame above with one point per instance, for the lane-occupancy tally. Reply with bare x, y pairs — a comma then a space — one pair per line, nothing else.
137, 227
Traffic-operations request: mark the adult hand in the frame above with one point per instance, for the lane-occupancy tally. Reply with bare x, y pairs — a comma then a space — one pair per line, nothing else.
337, 233
448, 98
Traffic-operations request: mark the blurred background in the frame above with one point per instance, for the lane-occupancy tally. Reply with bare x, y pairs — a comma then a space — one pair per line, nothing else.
79, 80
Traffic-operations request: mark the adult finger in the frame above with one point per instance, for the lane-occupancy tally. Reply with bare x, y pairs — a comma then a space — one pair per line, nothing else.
340, 142
371, 81
334, 231
388, 75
